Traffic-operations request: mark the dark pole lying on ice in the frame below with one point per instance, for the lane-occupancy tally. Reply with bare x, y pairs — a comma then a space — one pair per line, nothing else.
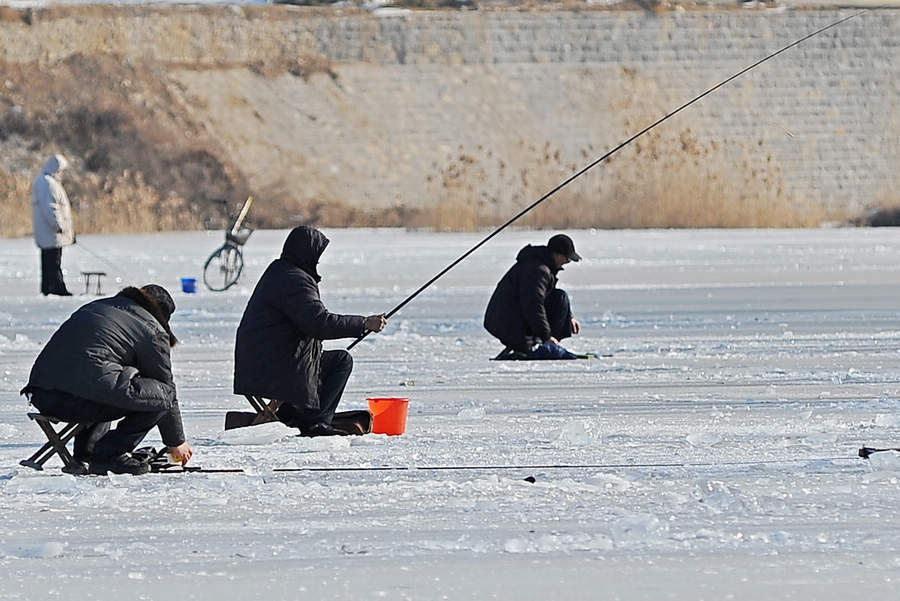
864, 452
176, 469
601, 159
548, 466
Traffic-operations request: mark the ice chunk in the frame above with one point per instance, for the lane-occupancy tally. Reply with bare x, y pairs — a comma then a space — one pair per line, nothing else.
577, 433
881, 476
45, 550
885, 461
43, 483
818, 438
887, 420
19, 342
471, 413
610, 482
324, 443
516, 545
554, 543
638, 528
717, 496
256, 435
703, 439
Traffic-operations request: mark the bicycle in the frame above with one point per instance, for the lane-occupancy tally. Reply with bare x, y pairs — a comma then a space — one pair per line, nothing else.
223, 267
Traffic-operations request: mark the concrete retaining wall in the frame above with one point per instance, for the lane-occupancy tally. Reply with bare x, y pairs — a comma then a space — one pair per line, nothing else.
509, 90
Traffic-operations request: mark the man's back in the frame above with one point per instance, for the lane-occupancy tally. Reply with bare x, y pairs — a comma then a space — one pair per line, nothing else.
101, 348
268, 339
278, 344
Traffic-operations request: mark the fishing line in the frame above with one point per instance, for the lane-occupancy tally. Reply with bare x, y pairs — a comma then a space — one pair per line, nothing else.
115, 267
596, 162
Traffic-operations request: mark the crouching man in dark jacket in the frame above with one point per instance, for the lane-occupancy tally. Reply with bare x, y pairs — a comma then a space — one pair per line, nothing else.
527, 312
278, 352
111, 361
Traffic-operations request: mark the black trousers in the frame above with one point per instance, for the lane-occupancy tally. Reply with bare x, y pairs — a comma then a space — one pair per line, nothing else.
51, 272
559, 313
98, 440
335, 371
559, 317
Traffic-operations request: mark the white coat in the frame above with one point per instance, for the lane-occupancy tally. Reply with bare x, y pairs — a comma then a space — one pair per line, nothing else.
50, 208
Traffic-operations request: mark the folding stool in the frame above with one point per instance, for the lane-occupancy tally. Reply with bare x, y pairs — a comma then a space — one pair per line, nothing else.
56, 444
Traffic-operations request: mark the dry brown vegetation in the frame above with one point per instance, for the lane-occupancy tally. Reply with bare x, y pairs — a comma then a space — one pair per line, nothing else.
304, 66
884, 212
149, 166
664, 180
140, 163
15, 207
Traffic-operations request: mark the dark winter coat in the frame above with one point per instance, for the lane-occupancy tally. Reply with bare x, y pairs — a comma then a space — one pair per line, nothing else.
278, 349
114, 351
516, 313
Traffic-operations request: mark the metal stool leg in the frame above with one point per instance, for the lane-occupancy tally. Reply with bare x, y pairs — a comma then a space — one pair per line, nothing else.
56, 444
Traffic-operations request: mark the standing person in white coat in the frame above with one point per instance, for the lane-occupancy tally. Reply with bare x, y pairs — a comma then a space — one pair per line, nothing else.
52, 216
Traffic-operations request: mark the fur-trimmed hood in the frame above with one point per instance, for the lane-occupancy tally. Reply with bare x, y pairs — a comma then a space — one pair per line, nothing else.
154, 307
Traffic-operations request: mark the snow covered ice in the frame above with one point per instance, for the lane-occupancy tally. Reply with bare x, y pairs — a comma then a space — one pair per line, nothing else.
740, 371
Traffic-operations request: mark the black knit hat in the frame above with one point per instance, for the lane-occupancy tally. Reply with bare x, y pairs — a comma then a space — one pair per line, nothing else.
162, 298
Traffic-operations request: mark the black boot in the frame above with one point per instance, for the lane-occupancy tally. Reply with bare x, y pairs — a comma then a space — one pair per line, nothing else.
123, 464
356, 423
321, 429
288, 415
510, 354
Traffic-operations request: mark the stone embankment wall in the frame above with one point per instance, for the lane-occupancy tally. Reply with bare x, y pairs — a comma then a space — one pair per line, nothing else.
407, 108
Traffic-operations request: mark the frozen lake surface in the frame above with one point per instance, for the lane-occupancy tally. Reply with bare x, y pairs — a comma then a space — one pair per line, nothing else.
744, 370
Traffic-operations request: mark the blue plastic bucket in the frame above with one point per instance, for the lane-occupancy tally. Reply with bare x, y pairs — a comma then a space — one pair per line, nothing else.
189, 285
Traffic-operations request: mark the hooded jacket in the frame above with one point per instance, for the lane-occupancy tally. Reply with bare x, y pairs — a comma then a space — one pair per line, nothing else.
516, 313
115, 351
50, 209
278, 350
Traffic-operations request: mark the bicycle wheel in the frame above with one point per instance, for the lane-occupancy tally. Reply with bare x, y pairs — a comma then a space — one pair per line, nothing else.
223, 268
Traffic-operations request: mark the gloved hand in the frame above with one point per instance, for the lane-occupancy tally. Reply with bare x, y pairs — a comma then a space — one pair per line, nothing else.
375, 323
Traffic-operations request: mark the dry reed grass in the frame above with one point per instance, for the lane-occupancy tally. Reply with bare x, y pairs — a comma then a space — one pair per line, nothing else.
128, 204
662, 181
15, 204
123, 204
884, 211
132, 153
667, 181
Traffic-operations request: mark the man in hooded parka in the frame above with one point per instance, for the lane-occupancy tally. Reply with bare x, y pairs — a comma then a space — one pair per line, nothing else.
52, 224
109, 361
278, 351
527, 312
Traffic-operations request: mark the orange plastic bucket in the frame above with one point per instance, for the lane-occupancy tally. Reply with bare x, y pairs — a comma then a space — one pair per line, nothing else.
388, 415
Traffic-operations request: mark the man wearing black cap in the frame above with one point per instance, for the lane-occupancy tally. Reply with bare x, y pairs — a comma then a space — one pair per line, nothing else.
111, 361
527, 312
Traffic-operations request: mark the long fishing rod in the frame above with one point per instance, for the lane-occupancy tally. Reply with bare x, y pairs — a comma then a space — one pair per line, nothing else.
176, 469
596, 162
